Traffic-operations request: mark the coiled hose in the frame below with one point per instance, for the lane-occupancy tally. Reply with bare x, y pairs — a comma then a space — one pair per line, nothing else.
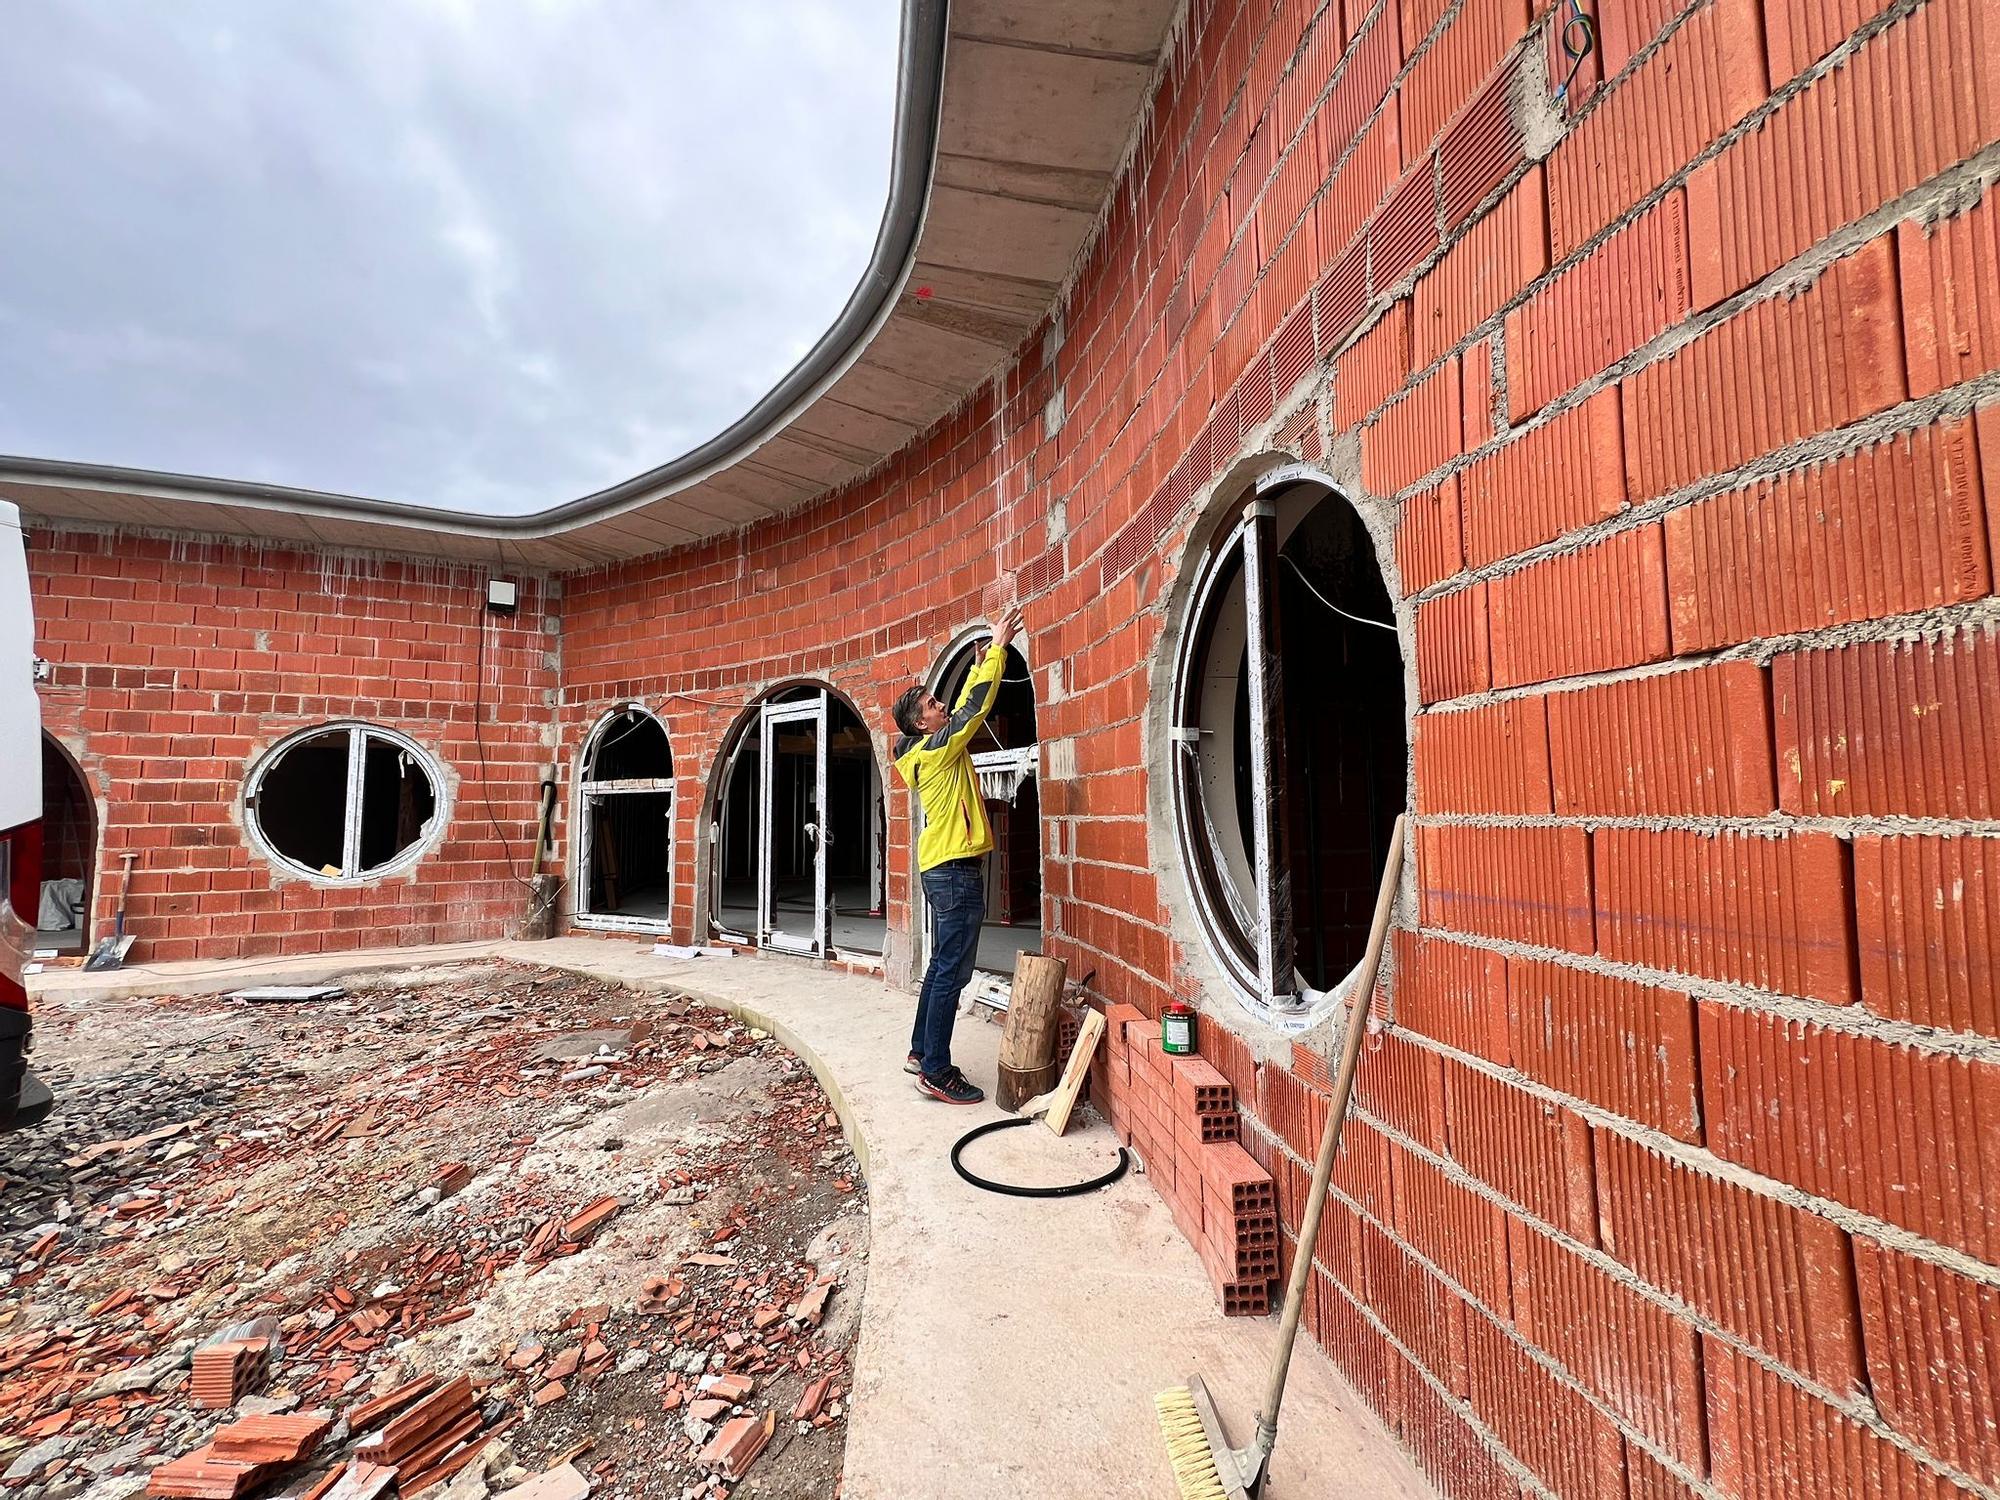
1013, 1190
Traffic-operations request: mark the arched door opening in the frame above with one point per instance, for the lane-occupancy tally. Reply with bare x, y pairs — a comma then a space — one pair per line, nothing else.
1007, 756
625, 824
69, 854
1290, 743
798, 831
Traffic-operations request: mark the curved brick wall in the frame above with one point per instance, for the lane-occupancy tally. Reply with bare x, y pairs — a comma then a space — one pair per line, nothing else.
1679, 1168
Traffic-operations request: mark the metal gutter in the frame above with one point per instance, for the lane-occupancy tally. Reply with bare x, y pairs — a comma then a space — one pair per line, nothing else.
919, 98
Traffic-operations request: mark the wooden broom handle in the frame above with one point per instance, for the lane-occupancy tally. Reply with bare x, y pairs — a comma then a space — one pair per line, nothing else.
1329, 1141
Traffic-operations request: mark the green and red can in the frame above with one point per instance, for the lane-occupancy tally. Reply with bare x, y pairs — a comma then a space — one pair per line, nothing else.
1177, 1028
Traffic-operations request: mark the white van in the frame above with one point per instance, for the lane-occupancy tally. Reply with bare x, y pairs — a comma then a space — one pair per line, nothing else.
23, 1099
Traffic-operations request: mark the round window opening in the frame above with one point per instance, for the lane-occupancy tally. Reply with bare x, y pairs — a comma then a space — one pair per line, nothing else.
1290, 756
344, 802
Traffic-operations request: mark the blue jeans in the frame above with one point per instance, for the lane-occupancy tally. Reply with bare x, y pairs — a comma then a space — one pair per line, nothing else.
956, 895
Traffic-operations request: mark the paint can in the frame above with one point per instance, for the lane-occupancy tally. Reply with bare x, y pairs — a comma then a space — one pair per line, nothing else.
1177, 1028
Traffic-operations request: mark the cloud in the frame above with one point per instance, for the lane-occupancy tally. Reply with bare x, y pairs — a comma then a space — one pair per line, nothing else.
486, 256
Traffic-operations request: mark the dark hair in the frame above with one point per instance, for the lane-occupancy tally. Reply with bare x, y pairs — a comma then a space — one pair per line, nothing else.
908, 704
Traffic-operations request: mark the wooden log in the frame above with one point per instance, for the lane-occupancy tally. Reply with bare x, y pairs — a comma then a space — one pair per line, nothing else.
1034, 1008
1019, 1084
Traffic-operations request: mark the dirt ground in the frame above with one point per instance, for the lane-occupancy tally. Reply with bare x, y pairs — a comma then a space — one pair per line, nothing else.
585, 1199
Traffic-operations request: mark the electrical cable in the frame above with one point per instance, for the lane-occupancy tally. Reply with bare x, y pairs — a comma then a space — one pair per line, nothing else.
485, 773
1578, 39
1357, 619
1015, 1190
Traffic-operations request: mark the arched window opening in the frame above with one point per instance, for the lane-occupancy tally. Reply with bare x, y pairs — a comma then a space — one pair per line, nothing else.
1289, 744
69, 854
626, 830
798, 831
344, 802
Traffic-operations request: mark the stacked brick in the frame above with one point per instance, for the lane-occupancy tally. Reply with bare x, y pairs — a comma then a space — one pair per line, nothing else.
1178, 1113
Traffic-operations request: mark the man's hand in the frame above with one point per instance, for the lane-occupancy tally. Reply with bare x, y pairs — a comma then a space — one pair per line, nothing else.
1010, 625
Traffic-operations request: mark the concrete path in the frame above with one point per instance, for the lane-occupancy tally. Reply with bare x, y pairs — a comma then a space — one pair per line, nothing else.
1009, 1347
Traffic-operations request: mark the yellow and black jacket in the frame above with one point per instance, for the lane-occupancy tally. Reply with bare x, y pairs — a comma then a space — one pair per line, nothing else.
939, 770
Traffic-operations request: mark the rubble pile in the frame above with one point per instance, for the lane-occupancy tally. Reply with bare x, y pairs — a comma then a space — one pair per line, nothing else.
482, 1228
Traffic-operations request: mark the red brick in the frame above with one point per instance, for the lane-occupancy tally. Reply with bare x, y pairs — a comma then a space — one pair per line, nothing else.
1451, 71
1293, 1110
1339, 300
1360, 183
1415, 433
1461, 1233
1887, 727
1416, 1308
1624, 1046
1770, 1440
1369, 69
1746, 908
1774, 1275
1799, 33
1632, 288
1476, 378
1402, 1085
1890, 529
1694, 743
1452, 994
1533, 1152
1599, 608
1494, 758
1375, 368
1452, 653
1639, 1359
1483, 146
1368, 1360
1986, 423
1406, 229
1553, 478
1928, 929
1427, 540
1951, 295
1708, 76
1847, 144
1933, 1339
1532, 885
1566, 1442
1362, 1171
1909, 1136
1490, 264
1646, 1478
1778, 371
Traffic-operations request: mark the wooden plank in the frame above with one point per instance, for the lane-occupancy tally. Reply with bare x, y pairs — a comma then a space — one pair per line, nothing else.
1055, 1106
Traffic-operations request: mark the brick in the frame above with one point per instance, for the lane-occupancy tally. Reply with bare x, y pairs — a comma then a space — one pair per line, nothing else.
1199, 1088
1646, 1478
1368, 1360
1453, 994
1888, 727
1375, 368
1494, 758
1532, 885
1494, 260
1548, 1424
1416, 1308
1770, 1440
1451, 1454
1452, 653
1709, 75
1533, 1152
1402, 1084
1293, 1110
1933, 1339
1847, 144
1909, 1136
1778, 371
1415, 433
1406, 229
1776, 1276
1695, 743
1631, 289
1951, 295
1798, 33
1744, 908
1362, 1171
1928, 930
1558, 476
1235, 1178
1626, 1047
1461, 1233
1624, 31
1457, 62
1639, 1359
1986, 423
1892, 528
1483, 146
1597, 609
1360, 183
1367, 72
1476, 377
1427, 539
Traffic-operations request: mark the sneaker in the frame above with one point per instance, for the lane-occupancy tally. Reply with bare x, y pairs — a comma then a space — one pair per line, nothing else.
914, 1064
953, 1088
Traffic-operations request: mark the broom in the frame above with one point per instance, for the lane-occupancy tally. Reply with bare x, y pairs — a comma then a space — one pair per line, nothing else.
1205, 1466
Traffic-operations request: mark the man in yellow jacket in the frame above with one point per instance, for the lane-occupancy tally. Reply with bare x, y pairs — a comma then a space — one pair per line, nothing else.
933, 755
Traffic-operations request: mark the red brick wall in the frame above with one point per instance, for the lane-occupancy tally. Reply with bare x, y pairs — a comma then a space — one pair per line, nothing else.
1678, 1170
176, 664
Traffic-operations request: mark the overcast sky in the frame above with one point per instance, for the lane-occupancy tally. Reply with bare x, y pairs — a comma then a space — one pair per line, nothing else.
488, 254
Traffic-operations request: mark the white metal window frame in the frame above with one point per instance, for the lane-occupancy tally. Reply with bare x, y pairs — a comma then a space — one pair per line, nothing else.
811, 711
589, 790
359, 732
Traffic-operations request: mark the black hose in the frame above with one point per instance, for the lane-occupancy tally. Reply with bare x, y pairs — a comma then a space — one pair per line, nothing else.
1067, 1190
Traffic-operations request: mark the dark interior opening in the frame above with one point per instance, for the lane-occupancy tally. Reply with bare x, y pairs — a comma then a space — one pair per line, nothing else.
632, 747
397, 799
69, 844
631, 854
302, 802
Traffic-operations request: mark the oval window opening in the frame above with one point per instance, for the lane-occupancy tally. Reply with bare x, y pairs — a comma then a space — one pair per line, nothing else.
347, 802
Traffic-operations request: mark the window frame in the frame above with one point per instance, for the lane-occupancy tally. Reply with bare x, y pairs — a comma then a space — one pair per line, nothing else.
359, 732
590, 788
